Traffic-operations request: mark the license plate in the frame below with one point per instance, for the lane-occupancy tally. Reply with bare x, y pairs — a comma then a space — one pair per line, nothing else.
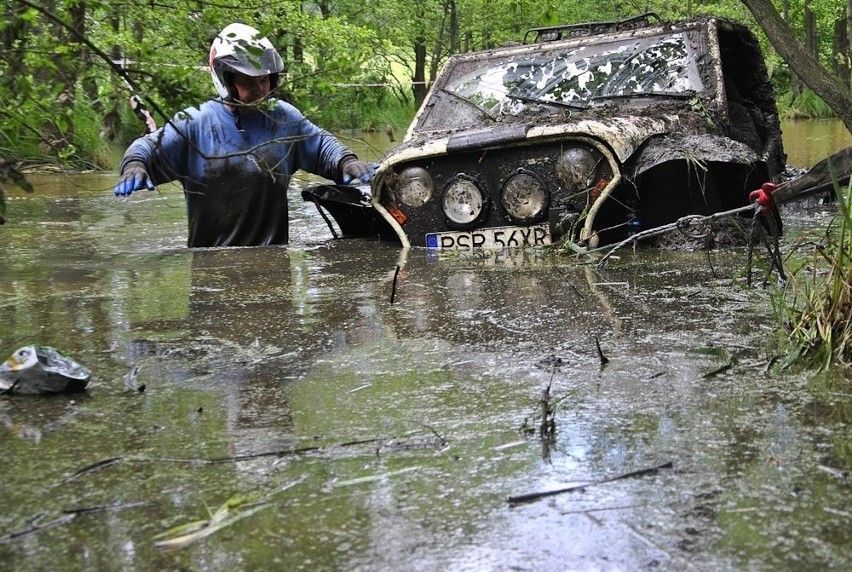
491, 238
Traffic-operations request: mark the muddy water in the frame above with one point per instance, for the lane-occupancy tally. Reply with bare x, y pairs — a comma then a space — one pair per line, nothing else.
355, 433
808, 141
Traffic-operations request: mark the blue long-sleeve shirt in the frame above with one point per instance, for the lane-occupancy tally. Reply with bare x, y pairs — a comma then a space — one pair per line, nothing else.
235, 175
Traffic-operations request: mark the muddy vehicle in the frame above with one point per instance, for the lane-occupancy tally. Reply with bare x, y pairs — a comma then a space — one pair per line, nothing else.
584, 134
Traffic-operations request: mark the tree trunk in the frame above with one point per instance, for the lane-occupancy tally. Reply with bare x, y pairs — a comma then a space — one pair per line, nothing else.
419, 78
810, 43
796, 85
298, 50
849, 44
801, 61
810, 30
14, 43
66, 67
840, 47
440, 41
454, 27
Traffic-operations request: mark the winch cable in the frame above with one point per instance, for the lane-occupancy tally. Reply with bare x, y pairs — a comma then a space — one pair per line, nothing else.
770, 240
679, 224
758, 234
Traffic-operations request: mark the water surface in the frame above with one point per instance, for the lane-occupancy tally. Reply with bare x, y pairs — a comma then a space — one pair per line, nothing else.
808, 141
388, 436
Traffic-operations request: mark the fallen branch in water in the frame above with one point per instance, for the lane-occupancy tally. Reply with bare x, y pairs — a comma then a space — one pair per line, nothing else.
33, 526
529, 497
385, 443
93, 467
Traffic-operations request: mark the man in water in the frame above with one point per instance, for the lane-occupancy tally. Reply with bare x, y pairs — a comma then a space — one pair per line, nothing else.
234, 155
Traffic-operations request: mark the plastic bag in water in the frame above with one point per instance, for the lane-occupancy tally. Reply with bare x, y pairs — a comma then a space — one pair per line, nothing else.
41, 369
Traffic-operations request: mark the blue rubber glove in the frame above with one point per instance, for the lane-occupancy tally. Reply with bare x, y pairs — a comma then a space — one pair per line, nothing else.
355, 171
134, 177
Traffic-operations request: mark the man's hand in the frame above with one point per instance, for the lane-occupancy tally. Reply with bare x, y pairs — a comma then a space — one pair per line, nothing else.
763, 197
134, 177
355, 170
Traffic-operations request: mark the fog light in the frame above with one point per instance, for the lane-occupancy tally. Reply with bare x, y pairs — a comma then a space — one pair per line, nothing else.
525, 198
415, 187
463, 202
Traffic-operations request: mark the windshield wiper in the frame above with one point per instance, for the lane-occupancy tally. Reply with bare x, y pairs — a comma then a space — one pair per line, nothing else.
656, 94
470, 103
530, 99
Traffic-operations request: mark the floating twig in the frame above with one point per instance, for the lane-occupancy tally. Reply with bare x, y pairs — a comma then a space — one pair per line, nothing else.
603, 358
434, 432
92, 468
360, 387
398, 443
393, 288
66, 516
529, 497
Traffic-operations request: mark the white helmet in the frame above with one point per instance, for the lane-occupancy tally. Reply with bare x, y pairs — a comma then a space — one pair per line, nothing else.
240, 49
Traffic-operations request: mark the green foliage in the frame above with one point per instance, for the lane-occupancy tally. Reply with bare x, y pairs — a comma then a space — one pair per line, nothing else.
808, 105
349, 63
816, 306
333, 74
370, 108
89, 145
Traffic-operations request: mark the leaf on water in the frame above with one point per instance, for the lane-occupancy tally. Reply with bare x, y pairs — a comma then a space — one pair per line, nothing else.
510, 445
227, 514
710, 351
373, 478
184, 529
219, 521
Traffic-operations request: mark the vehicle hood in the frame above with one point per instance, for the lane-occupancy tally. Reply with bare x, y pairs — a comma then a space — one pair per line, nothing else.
623, 134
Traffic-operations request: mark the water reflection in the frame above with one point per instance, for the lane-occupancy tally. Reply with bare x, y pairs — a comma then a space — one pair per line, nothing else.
808, 141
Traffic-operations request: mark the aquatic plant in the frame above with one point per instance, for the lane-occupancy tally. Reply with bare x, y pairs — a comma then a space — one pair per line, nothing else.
816, 303
808, 105
234, 509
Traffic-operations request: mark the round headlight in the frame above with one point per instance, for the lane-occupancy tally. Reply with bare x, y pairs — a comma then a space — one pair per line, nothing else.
576, 169
415, 187
525, 198
463, 202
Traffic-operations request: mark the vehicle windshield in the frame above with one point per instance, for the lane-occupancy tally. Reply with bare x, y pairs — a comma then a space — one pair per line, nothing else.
575, 77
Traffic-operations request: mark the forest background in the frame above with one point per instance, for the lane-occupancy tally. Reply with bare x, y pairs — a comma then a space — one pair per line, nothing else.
69, 67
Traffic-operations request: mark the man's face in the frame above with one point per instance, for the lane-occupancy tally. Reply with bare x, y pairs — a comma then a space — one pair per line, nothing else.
251, 89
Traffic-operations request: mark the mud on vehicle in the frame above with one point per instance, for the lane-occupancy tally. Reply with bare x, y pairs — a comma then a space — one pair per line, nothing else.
583, 134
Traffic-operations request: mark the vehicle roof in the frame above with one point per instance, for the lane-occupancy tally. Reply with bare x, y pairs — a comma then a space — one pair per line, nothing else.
604, 35
586, 29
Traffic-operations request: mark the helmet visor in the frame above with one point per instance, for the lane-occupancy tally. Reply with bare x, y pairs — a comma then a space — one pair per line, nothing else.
252, 61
